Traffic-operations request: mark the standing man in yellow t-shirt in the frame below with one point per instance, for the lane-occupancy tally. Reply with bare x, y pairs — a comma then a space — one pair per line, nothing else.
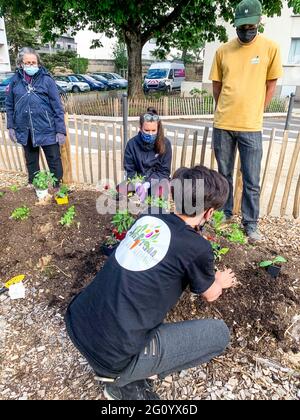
244, 74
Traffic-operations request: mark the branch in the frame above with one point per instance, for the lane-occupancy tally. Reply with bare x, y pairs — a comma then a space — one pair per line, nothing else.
166, 21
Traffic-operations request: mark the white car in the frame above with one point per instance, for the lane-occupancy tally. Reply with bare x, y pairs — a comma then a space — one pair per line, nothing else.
74, 85
64, 85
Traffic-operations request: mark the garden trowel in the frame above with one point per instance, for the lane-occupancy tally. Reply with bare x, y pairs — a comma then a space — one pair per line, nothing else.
14, 280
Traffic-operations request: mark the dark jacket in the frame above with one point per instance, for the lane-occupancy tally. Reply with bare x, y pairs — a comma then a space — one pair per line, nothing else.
141, 159
35, 107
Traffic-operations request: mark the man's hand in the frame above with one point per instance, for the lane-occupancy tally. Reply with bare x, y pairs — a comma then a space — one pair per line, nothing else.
60, 139
226, 278
12, 135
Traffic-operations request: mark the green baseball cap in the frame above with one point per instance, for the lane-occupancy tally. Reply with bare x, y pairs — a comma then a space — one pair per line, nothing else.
248, 12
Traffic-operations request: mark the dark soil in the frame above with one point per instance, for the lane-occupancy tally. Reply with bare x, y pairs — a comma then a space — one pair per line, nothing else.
63, 260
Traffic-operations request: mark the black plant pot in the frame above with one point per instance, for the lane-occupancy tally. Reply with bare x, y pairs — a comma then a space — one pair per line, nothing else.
273, 270
108, 249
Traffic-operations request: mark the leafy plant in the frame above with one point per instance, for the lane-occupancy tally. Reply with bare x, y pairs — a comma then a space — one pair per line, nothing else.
198, 92
274, 261
68, 217
122, 221
63, 191
14, 188
1, 194
158, 202
218, 219
20, 213
236, 235
43, 179
136, 179
218, 251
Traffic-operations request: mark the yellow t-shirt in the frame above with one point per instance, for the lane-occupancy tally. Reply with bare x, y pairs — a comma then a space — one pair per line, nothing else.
243, 71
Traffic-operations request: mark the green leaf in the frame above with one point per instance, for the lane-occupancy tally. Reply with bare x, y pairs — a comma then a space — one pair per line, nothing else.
265, 263
279, 259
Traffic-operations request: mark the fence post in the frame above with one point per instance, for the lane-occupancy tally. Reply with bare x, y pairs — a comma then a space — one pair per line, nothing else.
125, 118
116, 107
66, 159
290, 111
166, 105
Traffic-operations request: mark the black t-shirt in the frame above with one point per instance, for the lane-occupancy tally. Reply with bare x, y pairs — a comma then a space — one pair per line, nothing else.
117, 314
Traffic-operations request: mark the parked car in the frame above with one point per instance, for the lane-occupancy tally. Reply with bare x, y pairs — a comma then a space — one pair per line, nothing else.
119, 80
65, 86
3, 91
74, 84
109, 84
164, 76
93, 83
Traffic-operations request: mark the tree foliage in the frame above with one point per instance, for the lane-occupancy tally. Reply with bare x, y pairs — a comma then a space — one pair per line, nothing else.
137, 21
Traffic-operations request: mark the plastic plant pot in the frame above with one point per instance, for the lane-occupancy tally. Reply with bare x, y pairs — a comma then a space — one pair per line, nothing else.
41, 194
108, 249
273, 270
62, 200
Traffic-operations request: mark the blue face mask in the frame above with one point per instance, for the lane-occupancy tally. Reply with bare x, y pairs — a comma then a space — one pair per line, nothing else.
149, 138
31, 70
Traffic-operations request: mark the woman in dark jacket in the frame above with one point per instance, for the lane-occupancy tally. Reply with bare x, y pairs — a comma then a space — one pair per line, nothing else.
35, 115
149, 154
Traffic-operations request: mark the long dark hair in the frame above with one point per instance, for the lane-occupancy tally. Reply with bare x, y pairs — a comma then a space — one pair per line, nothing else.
159, 146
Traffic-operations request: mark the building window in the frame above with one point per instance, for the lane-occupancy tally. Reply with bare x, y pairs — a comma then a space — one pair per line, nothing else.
294, 56
58, 46
69, 46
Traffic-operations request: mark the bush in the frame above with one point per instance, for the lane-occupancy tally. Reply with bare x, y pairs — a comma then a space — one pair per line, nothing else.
278, 105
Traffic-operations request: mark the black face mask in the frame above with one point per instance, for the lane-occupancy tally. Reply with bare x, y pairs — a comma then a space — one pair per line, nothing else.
246, 35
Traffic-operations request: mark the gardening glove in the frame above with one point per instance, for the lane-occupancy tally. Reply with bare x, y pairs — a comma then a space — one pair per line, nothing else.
60, 138
12, 135
142, 190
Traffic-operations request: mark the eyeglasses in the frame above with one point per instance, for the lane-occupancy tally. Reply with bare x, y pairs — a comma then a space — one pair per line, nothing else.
151, 117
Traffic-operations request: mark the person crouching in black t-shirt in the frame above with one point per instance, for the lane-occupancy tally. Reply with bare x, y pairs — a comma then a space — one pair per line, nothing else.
117, 322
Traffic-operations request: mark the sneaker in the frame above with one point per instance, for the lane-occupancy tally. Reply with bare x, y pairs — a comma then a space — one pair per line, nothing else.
138, 390
254, 235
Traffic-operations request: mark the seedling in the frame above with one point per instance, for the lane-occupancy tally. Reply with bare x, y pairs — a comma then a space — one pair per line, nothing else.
43, 179
218, 219
63, 192
158, 202
276, 260
20, 213
271, 266
14, 188
109, 245
68, 217
122, 221
236, 235
218, 251
1, 194
136, 179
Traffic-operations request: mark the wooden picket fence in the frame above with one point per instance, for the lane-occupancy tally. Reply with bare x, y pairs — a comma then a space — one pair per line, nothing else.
96, 153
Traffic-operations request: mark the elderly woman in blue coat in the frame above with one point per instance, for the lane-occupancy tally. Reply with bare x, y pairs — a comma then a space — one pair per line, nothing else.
35, 115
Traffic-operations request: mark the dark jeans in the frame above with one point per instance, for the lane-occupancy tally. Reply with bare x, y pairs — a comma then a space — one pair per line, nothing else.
174, 347
250, 148
52, 153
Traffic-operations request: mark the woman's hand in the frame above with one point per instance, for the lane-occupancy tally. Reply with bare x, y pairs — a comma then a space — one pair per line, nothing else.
60, 138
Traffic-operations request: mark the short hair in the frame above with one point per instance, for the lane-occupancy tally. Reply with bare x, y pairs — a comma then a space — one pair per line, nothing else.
216, 188
27, 50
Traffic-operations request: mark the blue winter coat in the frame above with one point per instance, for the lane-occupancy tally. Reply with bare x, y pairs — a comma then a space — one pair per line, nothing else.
35, 107
140, 158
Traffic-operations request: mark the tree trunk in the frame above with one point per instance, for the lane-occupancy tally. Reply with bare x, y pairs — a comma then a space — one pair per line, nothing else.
134, 48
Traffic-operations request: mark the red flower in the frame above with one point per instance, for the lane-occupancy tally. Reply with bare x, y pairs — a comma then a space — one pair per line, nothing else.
119, 236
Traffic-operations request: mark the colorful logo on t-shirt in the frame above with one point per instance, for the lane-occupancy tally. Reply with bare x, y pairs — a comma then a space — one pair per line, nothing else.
145, 245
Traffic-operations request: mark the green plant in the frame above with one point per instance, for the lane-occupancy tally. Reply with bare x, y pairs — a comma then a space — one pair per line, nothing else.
43, 179
218, 251
218, 219
111, 241
136, 179
20, 213
158, 202
1, 194
68, 217
236, 235
274, 261
122, 221
63, 191
14, 188
198, 92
